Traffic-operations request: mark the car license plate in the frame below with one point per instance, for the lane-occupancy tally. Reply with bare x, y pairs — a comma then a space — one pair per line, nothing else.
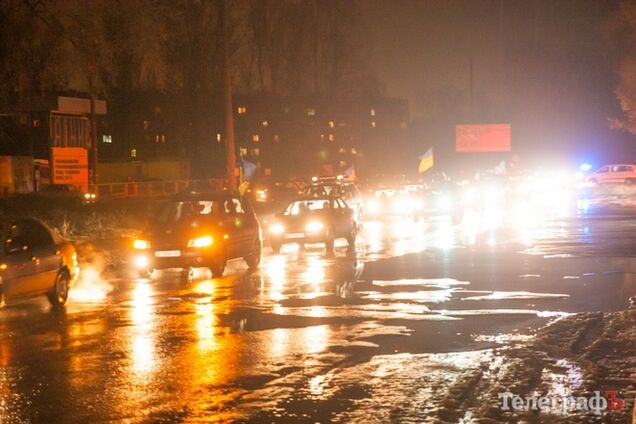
167, 253
295, 235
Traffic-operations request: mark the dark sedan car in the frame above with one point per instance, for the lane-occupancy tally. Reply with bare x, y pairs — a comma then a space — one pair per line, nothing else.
200, 231
35, 260
314, 220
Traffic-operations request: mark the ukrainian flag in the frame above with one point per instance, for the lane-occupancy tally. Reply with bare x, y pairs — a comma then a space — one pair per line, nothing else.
426, 161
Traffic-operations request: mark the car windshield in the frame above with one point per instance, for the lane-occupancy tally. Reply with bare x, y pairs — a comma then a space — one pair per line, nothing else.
323, 190
302, 206
179, 211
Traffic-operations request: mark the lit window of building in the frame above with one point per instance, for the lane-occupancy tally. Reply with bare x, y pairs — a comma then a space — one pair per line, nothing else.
276, 139
243, 151
332, 137
256, 151
133, 153
218, 137
372, 124
255, 138
146, 125
311, 111
372, 112
241, 110
331, 124
322, 138
265, 124
108, 139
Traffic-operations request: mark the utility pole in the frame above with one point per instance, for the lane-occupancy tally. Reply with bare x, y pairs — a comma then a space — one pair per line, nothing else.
93, 123
230, 151
470, 85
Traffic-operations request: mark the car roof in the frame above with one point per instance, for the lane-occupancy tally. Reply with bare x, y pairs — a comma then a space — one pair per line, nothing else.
314, 198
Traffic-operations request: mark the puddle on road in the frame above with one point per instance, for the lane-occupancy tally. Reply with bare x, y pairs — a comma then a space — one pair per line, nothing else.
424, 282
513, 295
502, 339
431, 296
473, 312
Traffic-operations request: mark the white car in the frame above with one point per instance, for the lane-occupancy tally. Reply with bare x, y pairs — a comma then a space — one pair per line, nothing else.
614, 173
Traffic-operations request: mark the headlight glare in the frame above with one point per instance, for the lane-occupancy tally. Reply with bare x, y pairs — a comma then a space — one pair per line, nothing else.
141, 244
277, 228
314, 227
204, 241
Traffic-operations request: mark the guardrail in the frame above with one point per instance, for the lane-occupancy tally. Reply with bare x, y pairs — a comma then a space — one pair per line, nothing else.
148, 189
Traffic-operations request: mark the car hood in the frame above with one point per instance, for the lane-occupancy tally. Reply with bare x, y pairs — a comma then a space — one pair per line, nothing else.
160, 233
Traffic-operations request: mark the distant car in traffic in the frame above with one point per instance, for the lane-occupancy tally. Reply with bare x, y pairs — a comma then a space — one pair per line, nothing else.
66, 192
393, 202
199, 230
36, 260
275, 191
614, 173
316, 219
338, 188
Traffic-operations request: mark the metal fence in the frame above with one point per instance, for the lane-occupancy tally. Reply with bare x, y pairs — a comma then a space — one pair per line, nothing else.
149, 189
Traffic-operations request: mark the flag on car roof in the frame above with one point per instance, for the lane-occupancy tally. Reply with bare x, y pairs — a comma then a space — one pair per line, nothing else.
426, 161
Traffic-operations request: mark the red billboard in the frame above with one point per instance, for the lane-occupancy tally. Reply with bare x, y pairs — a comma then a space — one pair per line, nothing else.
70, 166
482, 138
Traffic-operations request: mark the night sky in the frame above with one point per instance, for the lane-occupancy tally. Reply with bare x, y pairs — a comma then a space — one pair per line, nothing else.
548, 67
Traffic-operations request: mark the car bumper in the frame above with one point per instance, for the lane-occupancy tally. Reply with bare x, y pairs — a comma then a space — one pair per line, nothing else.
164, 259
290, 238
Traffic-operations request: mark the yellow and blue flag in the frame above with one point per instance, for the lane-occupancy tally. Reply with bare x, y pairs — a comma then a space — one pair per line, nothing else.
426, 161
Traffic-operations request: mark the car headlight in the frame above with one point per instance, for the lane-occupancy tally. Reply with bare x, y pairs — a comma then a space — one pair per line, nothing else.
93, 196
314, 227
204, 241
141, 244
277, 228
141, 261
87, 196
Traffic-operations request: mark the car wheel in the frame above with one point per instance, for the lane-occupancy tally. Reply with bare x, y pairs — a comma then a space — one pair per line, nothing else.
59, 293
254, 258
218, 266
276, 246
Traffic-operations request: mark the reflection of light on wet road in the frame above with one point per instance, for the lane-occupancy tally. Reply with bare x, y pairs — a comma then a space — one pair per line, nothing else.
315, 273
279, 342
315, 338
142, 338
206, 320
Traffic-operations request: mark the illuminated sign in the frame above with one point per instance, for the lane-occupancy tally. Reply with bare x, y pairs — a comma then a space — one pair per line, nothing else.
482, 138
70, 166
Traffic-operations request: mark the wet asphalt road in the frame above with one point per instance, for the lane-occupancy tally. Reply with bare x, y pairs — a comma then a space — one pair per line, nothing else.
377, 335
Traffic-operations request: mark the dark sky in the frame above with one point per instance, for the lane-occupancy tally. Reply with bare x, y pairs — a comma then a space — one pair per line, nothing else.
546, 66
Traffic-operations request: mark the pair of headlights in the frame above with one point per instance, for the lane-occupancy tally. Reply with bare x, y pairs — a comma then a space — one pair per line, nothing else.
310, 227
198, 242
